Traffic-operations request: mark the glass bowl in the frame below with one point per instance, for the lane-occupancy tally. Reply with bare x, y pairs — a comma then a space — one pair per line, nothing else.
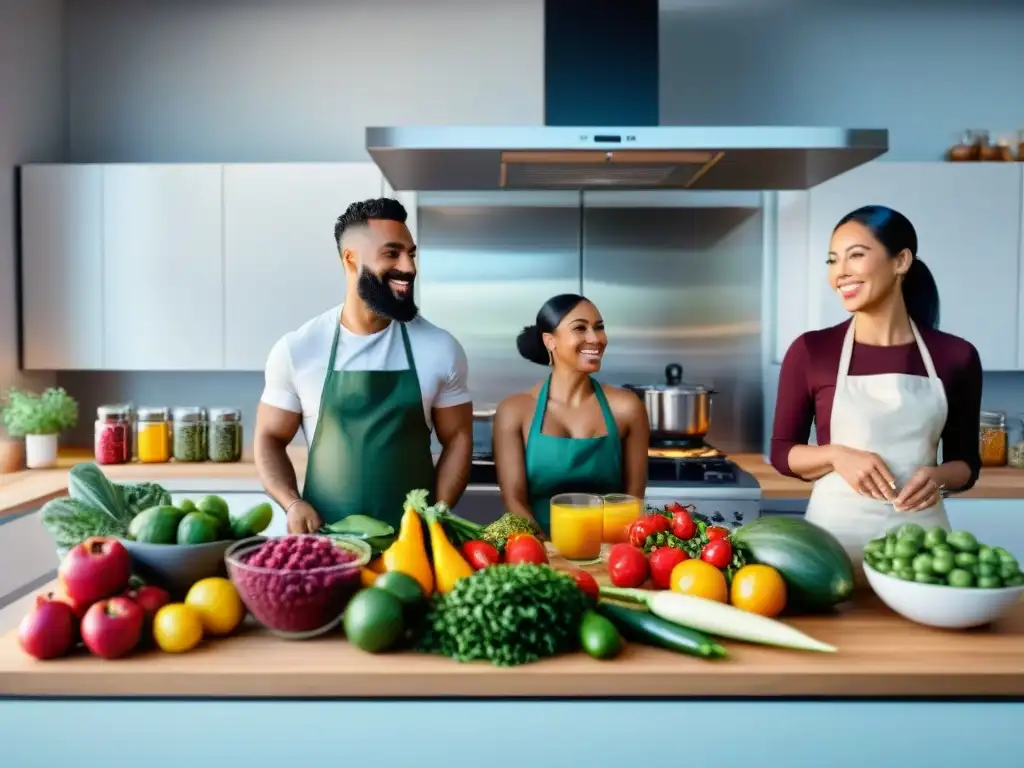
286, 583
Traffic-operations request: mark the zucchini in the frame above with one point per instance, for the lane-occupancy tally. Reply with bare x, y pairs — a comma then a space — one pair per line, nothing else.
817, 570
648, 629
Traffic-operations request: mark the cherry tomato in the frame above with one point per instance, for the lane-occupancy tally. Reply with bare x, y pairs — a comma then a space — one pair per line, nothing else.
683, 526
716, 532
627, 566
662, 561
524, 548
639, 530
717, 553
586, 583
660, 523
480, 554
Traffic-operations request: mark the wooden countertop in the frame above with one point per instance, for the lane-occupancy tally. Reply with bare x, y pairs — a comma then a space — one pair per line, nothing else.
880, 655
29, 489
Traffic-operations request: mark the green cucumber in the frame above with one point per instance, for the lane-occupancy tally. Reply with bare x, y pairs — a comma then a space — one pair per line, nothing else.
817, 570
648, 629
599, 637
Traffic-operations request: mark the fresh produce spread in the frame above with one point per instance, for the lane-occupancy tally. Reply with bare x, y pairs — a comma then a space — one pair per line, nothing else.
446, 586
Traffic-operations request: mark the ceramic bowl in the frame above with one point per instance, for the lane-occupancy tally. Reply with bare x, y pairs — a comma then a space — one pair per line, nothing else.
941, 606
176, 567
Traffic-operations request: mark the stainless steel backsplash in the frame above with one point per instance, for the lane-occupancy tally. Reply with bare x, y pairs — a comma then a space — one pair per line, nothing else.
676, 275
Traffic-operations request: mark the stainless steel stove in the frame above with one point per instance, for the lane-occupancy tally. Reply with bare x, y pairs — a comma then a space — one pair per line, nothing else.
699, 474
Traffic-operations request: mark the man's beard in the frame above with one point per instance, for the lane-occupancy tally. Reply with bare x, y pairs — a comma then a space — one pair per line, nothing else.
378, 296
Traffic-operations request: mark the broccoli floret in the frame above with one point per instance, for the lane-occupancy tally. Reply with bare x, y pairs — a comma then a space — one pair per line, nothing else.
498, 532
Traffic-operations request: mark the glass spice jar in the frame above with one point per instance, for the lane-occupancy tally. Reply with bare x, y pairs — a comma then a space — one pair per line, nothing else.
993, 439
1015, 439
112, 435
153, 435
225, 435
188, 434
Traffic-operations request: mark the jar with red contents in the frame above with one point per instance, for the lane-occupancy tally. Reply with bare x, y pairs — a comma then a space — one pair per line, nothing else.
112, 435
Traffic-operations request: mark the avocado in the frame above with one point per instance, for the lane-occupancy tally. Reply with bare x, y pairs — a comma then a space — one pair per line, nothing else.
156, 525
217, 508
253, 522
198, 528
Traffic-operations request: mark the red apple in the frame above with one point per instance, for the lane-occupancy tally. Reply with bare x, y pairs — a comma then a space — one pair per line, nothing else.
49, 631
77, 607
150, 599
112, 628
95, 569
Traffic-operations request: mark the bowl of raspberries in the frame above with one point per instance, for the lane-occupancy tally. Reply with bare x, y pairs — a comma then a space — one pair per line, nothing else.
297, 586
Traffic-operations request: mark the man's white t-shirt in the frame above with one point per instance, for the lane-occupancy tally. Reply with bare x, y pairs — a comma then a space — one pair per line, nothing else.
297, 364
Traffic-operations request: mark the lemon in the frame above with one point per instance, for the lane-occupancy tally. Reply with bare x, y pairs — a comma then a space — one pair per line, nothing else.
177, 628
217, 602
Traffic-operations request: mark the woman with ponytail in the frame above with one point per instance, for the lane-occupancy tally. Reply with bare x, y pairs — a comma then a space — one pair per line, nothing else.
883, 389
568, 433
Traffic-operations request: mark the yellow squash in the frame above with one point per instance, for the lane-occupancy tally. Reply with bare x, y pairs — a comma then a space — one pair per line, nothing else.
408, 553
449, 565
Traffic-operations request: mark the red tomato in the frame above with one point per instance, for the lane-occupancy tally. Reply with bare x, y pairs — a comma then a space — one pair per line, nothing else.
683, 526
639, 530
717, 552
586, 583
716, 532
660, 523
662, 561
480, 554
524, 548
627, 566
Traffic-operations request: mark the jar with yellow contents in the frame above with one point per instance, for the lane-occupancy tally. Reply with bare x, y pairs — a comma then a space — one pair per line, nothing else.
153, 435
993, 439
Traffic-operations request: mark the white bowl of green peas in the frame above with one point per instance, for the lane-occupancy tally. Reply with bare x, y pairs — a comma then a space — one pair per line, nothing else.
942, 579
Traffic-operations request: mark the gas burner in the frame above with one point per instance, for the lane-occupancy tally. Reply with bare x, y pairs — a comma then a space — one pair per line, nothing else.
682, 450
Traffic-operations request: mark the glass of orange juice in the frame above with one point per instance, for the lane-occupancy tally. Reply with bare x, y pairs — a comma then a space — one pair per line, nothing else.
620, 510
577, 526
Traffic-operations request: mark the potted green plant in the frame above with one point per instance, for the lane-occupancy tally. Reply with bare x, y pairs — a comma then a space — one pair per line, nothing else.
39, 419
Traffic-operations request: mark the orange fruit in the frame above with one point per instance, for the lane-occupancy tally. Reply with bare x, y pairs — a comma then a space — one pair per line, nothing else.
177, 628
699, 579
759, 589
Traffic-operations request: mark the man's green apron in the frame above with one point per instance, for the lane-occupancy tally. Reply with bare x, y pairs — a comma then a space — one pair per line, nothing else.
557, 465
371, 445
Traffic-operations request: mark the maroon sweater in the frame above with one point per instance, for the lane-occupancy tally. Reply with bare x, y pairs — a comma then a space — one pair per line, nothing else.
807, 384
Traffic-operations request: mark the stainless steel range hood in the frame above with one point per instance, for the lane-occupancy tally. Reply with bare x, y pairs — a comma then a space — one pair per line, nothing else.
749, 158
601, 63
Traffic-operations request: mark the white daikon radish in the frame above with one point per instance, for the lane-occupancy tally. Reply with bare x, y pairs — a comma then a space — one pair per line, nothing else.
718, 619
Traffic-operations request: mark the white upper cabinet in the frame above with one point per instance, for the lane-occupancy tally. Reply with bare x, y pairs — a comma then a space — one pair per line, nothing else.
62, 291
163, 271
968, 222
281, 263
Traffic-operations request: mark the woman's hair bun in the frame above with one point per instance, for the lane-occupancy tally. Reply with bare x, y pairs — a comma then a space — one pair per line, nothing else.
530, 344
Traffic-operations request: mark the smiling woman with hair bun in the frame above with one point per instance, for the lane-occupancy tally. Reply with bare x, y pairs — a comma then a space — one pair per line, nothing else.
568, 433
883, 389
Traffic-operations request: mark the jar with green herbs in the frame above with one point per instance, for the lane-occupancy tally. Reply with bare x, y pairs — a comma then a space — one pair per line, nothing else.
1015, 438
188, 434
225, 434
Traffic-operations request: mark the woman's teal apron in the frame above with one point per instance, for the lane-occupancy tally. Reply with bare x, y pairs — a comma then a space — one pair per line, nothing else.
557, 465
372, 443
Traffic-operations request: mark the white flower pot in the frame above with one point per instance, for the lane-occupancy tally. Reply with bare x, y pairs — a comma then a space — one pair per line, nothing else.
40, 451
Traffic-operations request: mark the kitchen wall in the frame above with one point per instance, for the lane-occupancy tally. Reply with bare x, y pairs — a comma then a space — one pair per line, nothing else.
33, 128
268, 80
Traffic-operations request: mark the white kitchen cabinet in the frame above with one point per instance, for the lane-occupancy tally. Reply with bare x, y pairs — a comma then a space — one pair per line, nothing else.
968, 222
281, 264
163, 271
62, 290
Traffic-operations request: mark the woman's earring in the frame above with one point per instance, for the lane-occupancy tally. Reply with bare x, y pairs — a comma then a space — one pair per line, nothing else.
551, 358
